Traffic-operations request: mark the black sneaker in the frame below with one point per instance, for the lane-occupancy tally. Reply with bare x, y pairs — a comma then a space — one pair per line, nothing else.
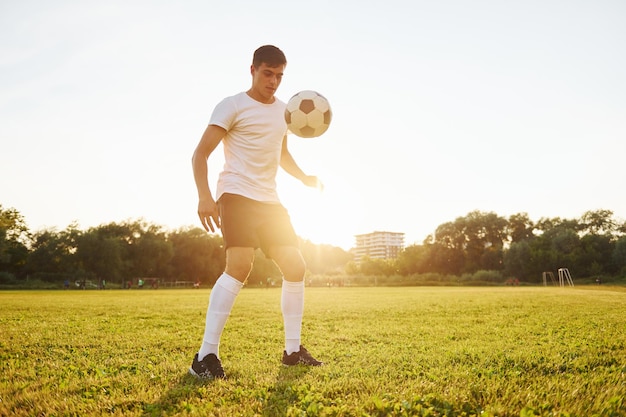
209, 367
302, 357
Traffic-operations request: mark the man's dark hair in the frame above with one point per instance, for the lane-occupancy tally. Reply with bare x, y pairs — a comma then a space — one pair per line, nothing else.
271, 55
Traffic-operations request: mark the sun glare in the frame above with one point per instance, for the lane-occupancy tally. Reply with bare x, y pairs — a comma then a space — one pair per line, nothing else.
328, 214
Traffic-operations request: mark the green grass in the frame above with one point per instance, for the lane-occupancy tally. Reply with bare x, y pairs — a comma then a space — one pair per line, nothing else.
389, 351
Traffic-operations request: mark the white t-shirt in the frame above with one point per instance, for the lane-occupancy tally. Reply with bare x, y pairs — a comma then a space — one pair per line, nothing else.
252, 146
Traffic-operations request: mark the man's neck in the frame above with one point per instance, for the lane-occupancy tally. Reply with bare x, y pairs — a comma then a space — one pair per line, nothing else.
259, 98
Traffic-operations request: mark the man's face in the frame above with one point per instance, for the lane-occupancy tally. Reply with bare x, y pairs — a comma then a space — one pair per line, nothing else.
265, 81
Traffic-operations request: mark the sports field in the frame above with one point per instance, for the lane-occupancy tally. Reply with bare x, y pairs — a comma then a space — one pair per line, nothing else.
389, 351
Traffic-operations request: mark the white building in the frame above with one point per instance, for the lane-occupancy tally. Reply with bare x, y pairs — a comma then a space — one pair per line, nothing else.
378, 245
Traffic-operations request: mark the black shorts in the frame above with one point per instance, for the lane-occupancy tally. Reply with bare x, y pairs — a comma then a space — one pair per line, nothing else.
249, 223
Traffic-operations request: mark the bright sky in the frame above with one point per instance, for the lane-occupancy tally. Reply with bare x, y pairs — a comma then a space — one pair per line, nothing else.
440, 108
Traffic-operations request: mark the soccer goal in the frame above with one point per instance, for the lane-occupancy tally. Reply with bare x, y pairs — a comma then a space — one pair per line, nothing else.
546, 276
565, 278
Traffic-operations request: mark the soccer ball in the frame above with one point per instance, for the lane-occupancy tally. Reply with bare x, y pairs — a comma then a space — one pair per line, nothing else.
308, 114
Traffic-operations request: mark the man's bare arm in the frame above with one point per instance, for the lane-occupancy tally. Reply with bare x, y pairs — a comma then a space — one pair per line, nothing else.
291, 167
207, 208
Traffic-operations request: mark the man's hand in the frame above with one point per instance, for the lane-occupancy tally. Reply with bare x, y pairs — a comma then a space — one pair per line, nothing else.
313, 181
209, 216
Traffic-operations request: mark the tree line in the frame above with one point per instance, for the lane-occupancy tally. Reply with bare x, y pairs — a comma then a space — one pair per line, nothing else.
480, 245
483, 244
129, 251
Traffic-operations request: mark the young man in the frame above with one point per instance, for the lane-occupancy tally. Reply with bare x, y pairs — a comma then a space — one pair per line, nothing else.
252, 127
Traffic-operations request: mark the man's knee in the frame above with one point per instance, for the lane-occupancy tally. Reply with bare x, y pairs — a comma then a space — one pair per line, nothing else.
290, 261
239, 262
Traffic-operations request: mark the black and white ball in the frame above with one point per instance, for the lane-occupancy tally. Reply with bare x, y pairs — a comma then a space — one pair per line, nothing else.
308, 114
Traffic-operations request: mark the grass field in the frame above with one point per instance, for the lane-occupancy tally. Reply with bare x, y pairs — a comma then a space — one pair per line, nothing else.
389, 351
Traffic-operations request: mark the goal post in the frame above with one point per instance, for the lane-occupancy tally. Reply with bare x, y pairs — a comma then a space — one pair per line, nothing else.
545, 277
565, 278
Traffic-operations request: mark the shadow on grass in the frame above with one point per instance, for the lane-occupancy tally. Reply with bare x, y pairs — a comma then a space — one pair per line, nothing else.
178, 398
184, 392
285, 392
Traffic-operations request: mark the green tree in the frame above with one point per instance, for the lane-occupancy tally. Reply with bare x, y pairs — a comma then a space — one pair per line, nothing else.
413, 260
446, 249
594, 256
197, 255
485, 234
14, 240
599, 222
520, 227
101, 255
619, 256
150, 252
517, 261
53, 254
471, 243
381, 267
556, 246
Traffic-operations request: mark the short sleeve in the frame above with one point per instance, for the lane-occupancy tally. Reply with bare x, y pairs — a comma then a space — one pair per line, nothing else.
224, 114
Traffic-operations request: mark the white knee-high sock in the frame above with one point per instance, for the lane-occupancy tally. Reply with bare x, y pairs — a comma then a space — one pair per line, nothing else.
292, 306
221, 302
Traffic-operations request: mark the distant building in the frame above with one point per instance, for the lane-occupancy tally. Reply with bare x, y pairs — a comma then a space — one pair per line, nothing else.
378, 245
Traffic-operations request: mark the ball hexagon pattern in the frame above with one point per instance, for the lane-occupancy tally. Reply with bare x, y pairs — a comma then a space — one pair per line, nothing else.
308, 114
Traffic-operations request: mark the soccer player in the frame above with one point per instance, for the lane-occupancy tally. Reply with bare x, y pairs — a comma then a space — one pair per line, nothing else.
252, 127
